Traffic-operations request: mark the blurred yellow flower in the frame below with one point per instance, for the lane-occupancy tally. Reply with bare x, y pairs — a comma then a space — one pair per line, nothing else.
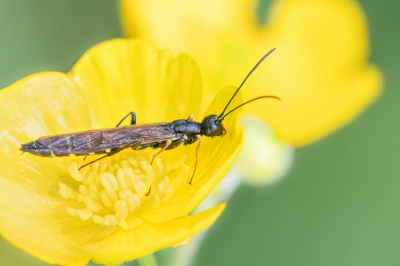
320, 68
65, 216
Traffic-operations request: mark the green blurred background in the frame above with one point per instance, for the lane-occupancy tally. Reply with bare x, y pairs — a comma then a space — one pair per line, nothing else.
340, 202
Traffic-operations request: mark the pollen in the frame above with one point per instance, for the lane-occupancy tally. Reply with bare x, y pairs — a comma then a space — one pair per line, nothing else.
114, 191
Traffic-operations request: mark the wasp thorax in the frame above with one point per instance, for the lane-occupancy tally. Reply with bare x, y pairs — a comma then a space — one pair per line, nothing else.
112, 192
212, 127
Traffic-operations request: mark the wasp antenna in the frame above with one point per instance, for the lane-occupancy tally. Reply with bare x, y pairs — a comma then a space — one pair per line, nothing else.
23, 152
248, 75
257, 98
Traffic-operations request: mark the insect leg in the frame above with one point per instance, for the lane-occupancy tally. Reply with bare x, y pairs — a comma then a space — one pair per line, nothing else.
155, 155
191, 117
133, 119
195, 164
163, 149
148, 193
132, 144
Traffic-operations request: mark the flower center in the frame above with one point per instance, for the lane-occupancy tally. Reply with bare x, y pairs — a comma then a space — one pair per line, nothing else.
112, 191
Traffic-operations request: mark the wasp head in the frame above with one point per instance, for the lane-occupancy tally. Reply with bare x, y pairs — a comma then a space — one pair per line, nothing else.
212, 126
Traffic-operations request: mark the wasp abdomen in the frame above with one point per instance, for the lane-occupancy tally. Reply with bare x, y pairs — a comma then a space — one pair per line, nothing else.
37, 148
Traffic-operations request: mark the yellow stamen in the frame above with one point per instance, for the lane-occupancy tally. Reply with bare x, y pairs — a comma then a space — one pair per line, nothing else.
111, 192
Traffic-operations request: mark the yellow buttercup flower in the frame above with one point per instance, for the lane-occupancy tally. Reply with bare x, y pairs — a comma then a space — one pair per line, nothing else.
320, 68
65, 216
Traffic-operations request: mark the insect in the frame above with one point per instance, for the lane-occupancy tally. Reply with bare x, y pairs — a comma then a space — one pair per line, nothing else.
164, 136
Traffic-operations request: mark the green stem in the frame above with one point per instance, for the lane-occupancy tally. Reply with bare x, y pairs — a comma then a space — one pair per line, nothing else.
149, 260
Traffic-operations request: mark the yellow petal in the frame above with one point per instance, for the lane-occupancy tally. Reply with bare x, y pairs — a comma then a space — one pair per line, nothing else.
215, 157
121, 76
29, 221
320, 68
219, 153
41, 104
148, 238
324, 80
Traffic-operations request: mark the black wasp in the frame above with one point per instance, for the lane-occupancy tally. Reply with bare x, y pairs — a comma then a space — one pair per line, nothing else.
165, 136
